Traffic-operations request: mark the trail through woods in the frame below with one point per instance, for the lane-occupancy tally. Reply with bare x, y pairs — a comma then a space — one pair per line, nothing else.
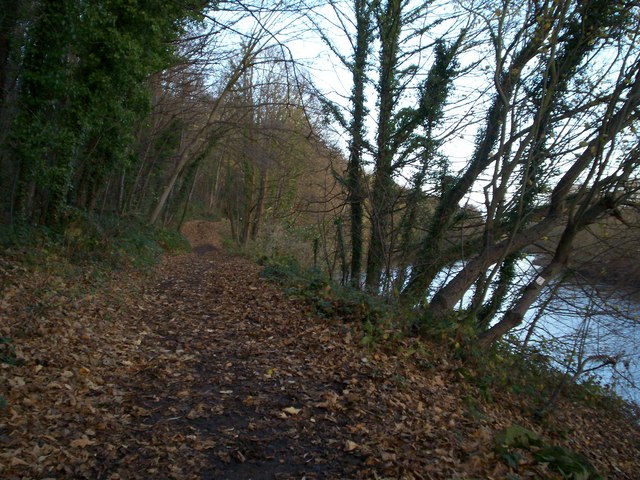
205, 370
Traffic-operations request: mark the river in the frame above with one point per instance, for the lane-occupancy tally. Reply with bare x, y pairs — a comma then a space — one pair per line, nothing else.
572, 321
596, 322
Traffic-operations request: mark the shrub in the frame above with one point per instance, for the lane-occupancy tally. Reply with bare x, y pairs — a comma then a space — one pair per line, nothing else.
329, 299
515, 443
82, 238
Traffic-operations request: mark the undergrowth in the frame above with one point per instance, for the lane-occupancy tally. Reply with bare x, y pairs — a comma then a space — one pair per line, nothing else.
526, 373
517, 445
531, 376
329, 299
107, 241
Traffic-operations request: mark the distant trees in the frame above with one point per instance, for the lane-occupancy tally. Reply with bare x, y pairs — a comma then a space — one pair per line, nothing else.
268, 143
126, 107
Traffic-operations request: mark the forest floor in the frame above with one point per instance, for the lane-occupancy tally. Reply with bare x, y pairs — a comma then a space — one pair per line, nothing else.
203, 369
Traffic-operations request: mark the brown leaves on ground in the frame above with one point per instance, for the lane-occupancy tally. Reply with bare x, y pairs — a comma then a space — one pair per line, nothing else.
208, 371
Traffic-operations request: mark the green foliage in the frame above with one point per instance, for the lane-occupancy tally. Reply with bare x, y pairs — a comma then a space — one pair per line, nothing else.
105, 241
7, 351
513, 444
457, 330
130, 241
83, 90
503, 369
515, 437
372, 334
329, 299
171, 240
569, 464
34, 244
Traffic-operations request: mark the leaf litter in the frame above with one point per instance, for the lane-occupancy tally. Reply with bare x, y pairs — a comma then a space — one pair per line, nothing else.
205, 370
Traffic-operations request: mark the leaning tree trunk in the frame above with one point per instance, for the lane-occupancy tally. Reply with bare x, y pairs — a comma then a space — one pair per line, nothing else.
184, 159
427, 265
515, 315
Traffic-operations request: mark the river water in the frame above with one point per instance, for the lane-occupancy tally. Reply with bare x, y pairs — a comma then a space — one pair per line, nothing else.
572, 321
597, 322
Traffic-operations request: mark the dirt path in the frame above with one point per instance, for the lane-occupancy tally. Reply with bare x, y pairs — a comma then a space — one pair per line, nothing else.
225, 362
207, 371
233, 381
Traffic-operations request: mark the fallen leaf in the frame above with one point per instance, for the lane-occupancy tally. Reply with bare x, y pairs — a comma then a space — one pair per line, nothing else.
17, 382
350, 446
82, 442
141, 412
292, 410
388, 457
16, 461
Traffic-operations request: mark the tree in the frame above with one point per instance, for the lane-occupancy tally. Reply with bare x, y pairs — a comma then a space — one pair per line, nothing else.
563, 43
82, 87
397, 27
360, 17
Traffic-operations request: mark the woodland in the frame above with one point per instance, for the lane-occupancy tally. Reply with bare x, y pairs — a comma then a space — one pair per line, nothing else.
413, 239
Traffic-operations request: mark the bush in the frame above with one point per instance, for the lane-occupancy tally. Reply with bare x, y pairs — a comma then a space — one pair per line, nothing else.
329, 299
108, 241
515, 443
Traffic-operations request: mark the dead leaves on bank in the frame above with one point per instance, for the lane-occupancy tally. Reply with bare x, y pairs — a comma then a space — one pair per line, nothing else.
207, 371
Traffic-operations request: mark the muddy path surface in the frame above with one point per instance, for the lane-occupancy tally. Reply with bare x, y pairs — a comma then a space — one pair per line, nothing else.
224, 391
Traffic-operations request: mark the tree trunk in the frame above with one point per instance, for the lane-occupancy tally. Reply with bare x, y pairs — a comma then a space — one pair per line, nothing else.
188, 199
612, 124
355, 185
215, 186
515, 315
259, 209
390, 24
183, 159
248, 188
8, 19
444, 300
